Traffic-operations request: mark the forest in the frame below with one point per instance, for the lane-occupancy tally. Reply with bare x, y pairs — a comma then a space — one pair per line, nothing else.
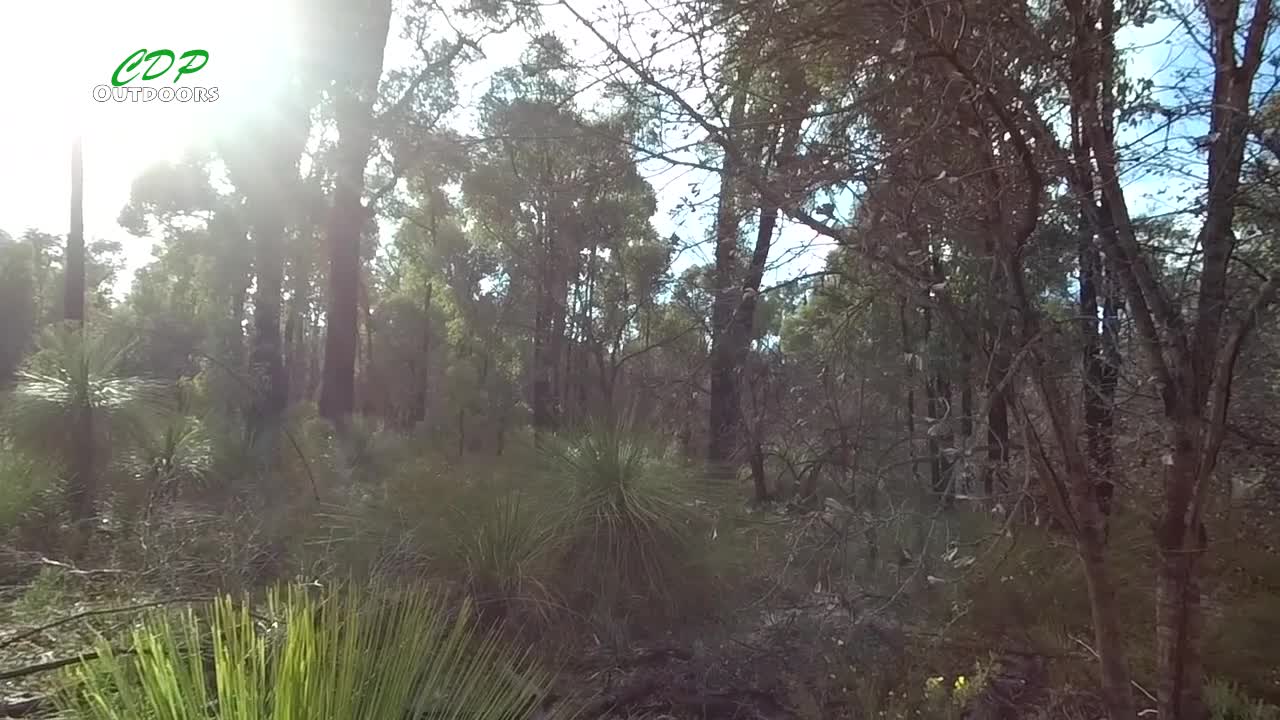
717, 359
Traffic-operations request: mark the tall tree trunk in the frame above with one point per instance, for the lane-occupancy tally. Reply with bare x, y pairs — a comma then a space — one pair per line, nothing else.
353, 113
546, 348
82, 485
1179, 608
418, 413
556, 353
292, 342
265, 362
966, 412
1097, 410
74, 284
909, 384
995, 471
722, 441
543, 364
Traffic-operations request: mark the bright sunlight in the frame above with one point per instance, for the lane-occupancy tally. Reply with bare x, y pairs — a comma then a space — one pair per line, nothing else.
247, 42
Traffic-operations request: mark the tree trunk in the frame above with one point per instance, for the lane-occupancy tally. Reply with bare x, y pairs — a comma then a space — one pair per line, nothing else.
1179, 611
462, 431
1107, 637
266, 366
337, 389
908, 383
935, 385
995, 472
546, 347
82, 485
74, 286
543, 364
1097, 413
419, 410
353, 113
722, 441
758, 479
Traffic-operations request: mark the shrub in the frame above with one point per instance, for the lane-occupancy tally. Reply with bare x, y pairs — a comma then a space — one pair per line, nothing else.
504, 554
27, 489
1226, 701
339, 655
631, 532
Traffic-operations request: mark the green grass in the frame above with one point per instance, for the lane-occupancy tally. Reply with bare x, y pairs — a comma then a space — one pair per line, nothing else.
348, 654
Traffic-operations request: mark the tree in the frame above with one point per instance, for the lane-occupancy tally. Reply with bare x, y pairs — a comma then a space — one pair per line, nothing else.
72, 381
73, 302
356, 90
1192, 351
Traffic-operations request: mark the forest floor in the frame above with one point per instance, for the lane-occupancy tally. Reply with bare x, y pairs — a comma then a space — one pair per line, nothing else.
770, 651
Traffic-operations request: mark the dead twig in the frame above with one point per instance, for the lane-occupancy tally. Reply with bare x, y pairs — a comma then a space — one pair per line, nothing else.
1094, 653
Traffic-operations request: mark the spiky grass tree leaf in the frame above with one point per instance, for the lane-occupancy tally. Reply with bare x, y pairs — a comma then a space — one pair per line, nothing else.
350, 654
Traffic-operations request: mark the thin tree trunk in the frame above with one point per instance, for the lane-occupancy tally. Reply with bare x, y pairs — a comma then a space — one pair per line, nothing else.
543, 369
419, 412
1097, 413
74, 286
82, 485
908, 383
265, 362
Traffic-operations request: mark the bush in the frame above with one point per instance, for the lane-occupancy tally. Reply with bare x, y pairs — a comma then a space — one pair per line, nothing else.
632, 529
339, 655
1226, 701
28, 493
505, 556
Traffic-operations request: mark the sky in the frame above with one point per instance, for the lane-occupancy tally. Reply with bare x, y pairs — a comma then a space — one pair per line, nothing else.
68, 47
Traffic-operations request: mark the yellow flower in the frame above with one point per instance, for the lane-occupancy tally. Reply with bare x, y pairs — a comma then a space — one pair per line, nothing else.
960, 683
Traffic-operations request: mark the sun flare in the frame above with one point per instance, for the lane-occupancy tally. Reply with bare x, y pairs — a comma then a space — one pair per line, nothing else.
70, 47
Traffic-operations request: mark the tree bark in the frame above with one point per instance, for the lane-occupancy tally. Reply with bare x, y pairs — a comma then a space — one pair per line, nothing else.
722, 441
1179, 610
82, 485
419, 411
353, 113
74, 283
1096, 412
909, 383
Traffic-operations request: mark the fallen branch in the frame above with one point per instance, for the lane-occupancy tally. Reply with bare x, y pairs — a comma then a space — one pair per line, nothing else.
57, 664
19, 637
77, 571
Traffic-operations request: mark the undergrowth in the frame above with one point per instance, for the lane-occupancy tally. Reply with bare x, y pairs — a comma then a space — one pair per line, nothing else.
344, 654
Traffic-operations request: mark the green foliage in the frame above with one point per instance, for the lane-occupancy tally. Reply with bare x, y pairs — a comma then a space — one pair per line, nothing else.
75, 372
631, 531
18, 298
177, 456
1226, 701
48, 589
505, 557
352, 654
26, 486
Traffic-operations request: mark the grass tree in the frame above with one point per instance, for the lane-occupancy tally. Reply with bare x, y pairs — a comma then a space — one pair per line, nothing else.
347, 654
72, 404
